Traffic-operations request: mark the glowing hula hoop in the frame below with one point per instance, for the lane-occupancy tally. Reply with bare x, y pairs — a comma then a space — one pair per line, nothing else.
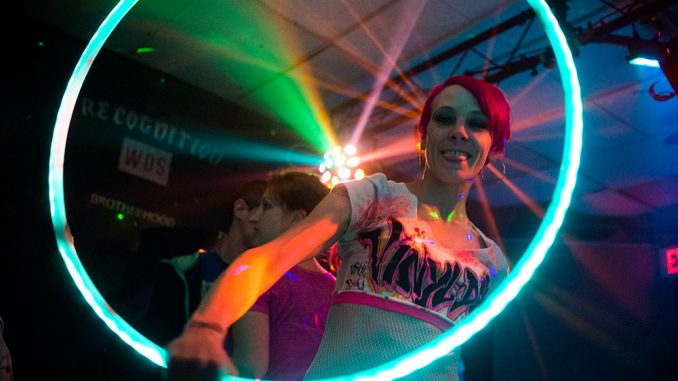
400, 367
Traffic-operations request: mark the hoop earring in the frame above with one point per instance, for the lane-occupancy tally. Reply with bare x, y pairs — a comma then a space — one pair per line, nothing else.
503, 172
422, 162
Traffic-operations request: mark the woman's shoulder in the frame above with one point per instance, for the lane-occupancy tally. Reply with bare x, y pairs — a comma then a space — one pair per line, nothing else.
377, 184
375, 199
377, 178
492, 256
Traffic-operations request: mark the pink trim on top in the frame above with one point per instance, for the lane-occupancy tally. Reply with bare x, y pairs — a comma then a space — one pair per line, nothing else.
392, 306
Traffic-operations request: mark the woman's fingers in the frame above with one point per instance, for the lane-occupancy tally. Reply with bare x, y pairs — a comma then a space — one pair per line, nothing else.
196, 356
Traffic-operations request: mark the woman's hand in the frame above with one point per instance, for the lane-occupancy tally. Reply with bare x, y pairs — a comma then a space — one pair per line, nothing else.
198, 354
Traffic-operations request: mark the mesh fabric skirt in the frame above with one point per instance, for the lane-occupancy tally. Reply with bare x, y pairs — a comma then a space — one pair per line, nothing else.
359, 337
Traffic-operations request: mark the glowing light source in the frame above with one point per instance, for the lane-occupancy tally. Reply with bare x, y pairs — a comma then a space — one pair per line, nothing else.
340, 164
145, 50
644, 53
397, 368
642, 61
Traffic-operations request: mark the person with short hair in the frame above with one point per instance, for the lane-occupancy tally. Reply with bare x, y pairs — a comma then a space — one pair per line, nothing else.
238, 239
279, 336
207, 265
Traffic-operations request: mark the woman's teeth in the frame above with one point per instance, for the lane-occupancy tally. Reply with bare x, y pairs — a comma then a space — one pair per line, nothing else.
450, 154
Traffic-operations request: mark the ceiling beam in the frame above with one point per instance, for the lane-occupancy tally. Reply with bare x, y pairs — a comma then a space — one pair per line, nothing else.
451, 52
601, 32
598, 32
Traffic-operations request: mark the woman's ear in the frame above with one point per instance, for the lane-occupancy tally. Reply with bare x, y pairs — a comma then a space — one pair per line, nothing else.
240, 210
296, 216
421, 146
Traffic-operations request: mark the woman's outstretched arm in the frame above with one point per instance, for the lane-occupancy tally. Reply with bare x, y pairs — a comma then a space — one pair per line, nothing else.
248, 277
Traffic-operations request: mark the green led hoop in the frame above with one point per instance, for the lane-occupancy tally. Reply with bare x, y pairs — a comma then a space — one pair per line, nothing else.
400, 367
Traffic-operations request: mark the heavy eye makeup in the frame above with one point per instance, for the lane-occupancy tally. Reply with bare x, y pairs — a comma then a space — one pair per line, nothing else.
478, 123
445, 115
448, 115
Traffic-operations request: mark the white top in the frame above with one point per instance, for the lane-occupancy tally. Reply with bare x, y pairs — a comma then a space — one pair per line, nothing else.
388, 253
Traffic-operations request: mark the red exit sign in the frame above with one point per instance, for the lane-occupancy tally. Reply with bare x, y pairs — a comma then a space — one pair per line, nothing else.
670, 261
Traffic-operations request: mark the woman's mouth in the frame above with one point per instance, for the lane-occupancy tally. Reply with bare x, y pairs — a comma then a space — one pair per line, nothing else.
455, 155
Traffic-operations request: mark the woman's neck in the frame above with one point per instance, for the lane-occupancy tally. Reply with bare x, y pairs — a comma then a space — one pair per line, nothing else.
231, 248
442, 201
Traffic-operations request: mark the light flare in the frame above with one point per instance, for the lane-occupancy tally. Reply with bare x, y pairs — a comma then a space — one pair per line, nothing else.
534, 344
531, 204
411, 9
529, 170
400, 148
577, 323
266, 72
390, 60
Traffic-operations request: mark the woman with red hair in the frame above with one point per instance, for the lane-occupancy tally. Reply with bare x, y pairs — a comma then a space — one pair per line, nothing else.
412, 263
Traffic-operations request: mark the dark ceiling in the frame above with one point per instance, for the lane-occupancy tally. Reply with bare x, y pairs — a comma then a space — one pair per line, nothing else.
366, 66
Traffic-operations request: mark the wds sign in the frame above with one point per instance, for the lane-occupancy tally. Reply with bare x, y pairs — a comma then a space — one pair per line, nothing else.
145, 161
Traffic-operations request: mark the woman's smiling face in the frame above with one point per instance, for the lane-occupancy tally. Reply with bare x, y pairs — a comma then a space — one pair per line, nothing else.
458, 140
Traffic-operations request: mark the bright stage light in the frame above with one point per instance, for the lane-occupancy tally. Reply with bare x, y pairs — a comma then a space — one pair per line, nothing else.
644, 53
340, 164
641, 61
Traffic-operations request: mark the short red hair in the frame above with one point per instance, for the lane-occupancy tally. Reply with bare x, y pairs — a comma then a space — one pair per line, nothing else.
492, 102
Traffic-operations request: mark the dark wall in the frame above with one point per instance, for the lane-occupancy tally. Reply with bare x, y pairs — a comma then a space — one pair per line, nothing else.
593, 311
51, 334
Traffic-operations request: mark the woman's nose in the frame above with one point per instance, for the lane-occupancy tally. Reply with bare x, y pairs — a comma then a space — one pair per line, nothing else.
458, 131
256, 213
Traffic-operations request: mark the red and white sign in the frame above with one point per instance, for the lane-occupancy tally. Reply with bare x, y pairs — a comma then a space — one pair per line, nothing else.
671, 257
140, 159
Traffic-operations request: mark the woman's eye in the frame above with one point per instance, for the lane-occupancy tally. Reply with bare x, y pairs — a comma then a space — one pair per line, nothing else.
477, 124
443, 118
